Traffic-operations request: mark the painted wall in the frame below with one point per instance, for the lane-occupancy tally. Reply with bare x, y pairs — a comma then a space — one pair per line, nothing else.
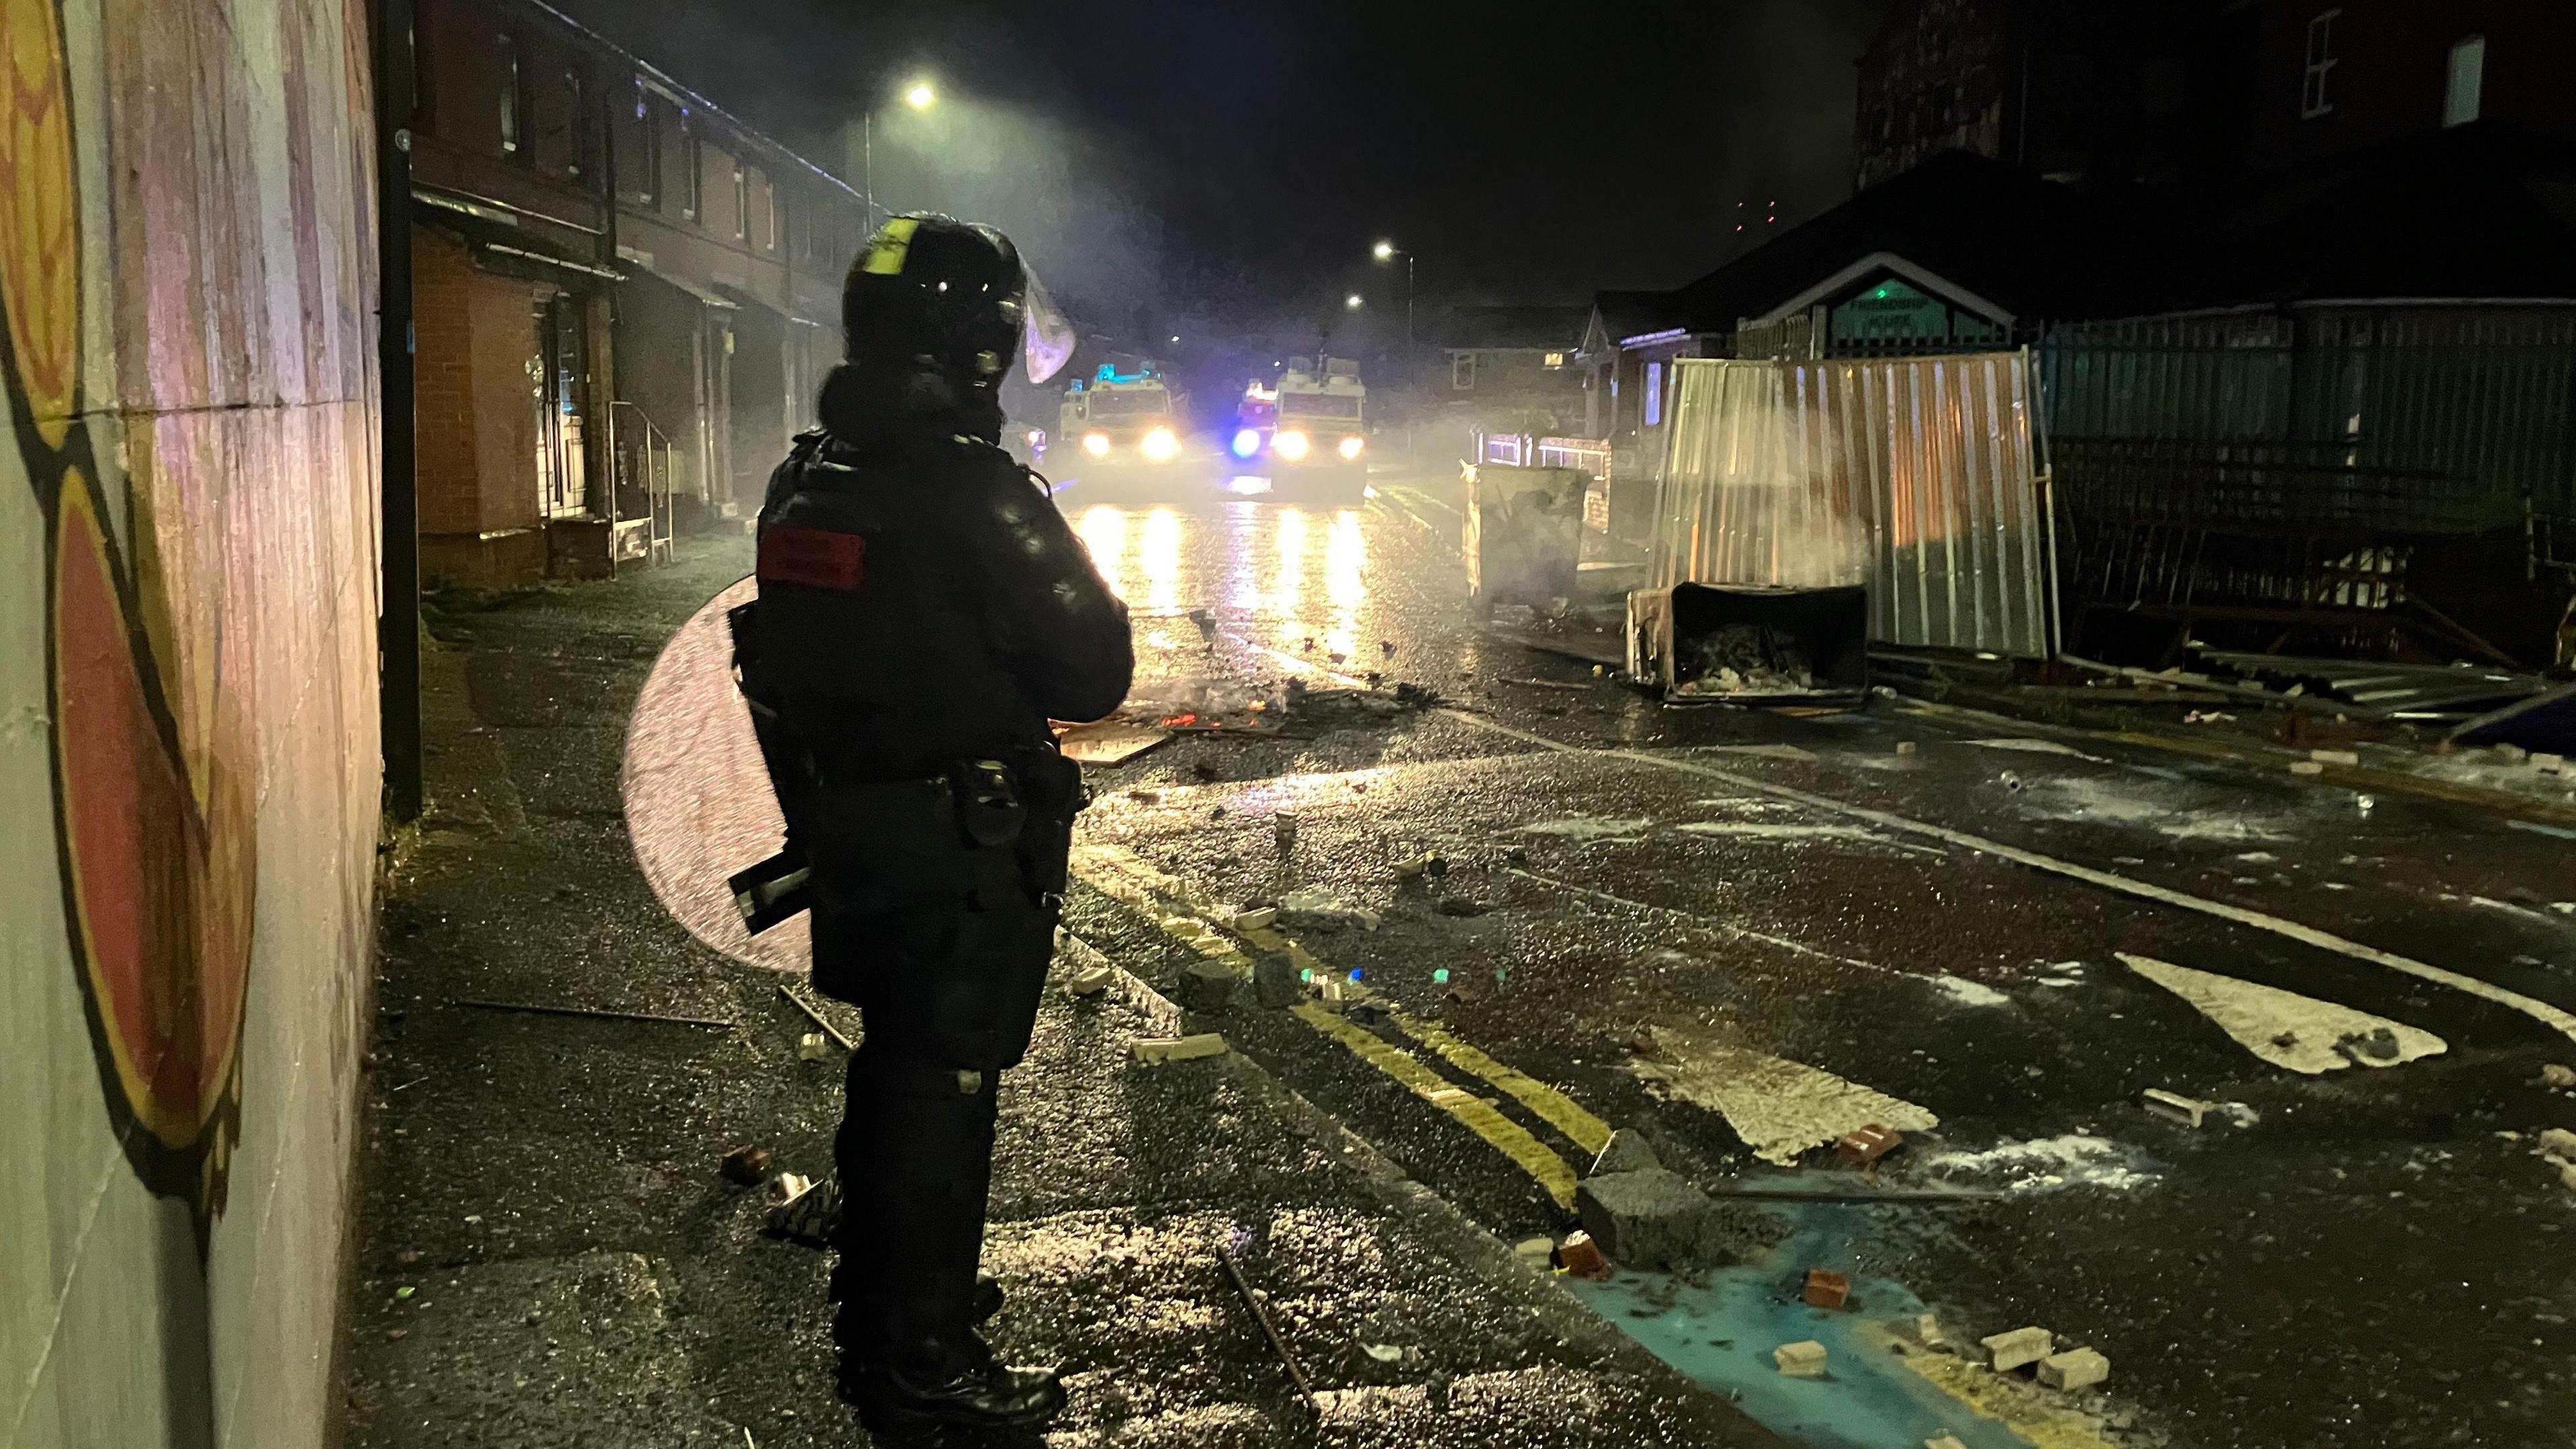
188, 756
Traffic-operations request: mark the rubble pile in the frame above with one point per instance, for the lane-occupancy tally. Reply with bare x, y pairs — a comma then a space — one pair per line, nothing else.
1745, 659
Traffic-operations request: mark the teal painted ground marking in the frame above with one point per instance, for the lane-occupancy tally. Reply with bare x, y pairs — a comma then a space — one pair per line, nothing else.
1721, 1336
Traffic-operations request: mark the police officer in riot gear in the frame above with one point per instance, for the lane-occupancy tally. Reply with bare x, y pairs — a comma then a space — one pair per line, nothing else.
923, 612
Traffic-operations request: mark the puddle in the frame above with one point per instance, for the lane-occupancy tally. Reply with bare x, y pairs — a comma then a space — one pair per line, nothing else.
1720, 1336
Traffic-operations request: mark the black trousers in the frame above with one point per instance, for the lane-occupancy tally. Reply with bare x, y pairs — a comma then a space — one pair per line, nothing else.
948, 1003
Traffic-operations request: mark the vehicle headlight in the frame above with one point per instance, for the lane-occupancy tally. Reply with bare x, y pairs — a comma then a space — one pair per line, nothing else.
1037, 438
1096, 444
1351, 447
1247, 442
1290, 445
1160, 445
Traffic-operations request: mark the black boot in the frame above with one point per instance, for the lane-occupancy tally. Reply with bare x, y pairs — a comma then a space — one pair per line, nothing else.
969, 1391
988, 1297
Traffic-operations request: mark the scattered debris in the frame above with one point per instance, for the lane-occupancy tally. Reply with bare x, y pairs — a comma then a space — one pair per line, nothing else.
1092, 982
2019, 1348
2306, 767
1210, 988
1582, 1257
1463, 906
1867, 1146
809, 1214
2558, 1078
1109, 743
409, 1256
1534, 1250
2074, 1370
1576, 686
1969, 993
2335, 757
791, 1186
2558, 1145
1946, 1441
1780, 1108
1383, 1352
2048, 1164
1319, 910
746, 1164
1260, 918
1927, 1331
1156, 1051
813, 1046
1413, 866
1826, 1289
1800, 1360
1277, 982
2189, 1111
1905, 747
2039, 747
1650, 1218
2208, 716
1269, 1328
1283, 830
2289, 1030
1626, 1151
1643, 1043
795, 994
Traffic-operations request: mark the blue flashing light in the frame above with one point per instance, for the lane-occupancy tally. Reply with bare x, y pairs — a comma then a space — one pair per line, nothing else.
1247, 442
1355, 973
1109, 373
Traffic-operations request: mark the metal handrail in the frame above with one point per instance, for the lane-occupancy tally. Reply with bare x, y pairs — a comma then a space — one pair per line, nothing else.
659, 463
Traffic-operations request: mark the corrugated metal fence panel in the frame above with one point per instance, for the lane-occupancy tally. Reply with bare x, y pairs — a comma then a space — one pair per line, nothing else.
1915, 476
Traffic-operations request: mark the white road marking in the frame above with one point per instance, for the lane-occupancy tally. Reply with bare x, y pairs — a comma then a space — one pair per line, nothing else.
2283, 1027
1779, 1107
2557, 1020
1727, 928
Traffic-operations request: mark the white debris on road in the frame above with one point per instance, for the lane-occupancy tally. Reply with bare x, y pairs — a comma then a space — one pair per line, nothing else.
1780, 1108
2048, 1164
1756, 830
2288, 1030
1969, 993
2177, 814
2039, 747
1591, 829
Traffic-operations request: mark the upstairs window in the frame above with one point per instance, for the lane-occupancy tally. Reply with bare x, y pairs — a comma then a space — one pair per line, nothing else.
576, 91
2316, 89
741, 205
1654, 394
2466, 88
693, 171
509, 94
1462, 371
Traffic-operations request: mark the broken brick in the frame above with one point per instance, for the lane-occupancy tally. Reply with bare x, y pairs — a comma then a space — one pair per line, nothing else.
1868, 1145
2074, 1370
2019, 1348
1826, 1289
1154, 1052
1582, 1257
746, 1165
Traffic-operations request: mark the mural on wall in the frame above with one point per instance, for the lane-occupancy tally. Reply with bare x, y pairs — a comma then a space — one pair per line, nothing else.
154, 743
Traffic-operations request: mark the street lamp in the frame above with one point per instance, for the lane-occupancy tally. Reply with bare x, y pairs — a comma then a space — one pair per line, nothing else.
1352, 301
920, 97
1387, 251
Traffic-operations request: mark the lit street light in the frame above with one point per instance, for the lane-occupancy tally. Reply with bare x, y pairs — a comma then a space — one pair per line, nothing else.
1387, 251
1352, 301
920, 97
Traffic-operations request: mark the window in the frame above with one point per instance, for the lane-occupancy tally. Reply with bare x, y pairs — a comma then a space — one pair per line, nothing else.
1462, 371
2316, 91
1654, 394
769, 214
2468, 81
741, 205
509, 94
1553, 359
647, 153
576, 124
693, 171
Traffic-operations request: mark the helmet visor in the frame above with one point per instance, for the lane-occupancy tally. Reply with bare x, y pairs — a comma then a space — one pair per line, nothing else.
1046, 337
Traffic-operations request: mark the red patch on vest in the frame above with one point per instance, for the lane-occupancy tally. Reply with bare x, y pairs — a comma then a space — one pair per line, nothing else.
814, 557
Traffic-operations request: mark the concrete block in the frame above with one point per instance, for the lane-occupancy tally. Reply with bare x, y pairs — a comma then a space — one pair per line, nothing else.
2190, 1111
1155, 1051
1927, 1331
2019, 1348
1209, 988
1624, 1152
2074, 1370
1649, 1218
1800, 1360
1275, 982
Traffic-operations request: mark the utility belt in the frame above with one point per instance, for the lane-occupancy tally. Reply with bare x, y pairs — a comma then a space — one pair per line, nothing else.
986, 834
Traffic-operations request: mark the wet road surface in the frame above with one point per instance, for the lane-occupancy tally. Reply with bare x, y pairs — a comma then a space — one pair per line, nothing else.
1937, 907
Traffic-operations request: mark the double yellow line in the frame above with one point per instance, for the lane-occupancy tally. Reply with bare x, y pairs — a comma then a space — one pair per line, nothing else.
1182, 914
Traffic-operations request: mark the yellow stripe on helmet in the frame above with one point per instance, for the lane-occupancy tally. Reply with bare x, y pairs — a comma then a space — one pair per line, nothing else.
889, 247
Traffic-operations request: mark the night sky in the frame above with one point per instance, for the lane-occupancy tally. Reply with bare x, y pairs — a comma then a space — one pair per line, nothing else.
1191, 166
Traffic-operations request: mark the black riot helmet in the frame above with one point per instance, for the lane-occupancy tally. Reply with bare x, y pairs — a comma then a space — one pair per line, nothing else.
954, 295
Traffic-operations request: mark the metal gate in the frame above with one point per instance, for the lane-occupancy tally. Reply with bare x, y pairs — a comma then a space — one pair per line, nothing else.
1917, 477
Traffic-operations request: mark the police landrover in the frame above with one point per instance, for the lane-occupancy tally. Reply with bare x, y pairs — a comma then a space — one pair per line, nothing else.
1318, 450
1123, 426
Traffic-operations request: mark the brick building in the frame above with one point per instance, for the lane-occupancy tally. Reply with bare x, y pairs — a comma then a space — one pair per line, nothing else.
624, 297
